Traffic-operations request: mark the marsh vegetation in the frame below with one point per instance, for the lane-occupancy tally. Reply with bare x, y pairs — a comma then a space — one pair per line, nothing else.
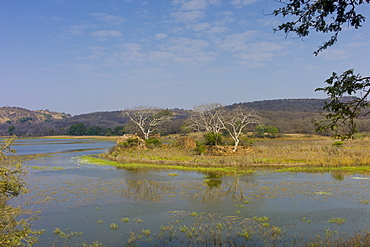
90, 204
305, 152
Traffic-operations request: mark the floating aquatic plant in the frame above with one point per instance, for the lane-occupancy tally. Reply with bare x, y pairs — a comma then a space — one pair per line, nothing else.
113, 226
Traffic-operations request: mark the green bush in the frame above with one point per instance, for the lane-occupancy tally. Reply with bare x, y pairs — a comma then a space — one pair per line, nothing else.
264, 130
200, 148
212, 139
153, 142
132, 141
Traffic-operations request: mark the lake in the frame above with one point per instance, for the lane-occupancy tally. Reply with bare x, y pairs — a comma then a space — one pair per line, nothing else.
149, 208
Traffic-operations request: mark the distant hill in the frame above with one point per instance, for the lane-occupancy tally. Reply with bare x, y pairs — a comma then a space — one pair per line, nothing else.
301, 105
120, 117
16, 115
288, 115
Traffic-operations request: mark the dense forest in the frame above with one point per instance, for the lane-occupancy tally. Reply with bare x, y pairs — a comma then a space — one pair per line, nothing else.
287, 115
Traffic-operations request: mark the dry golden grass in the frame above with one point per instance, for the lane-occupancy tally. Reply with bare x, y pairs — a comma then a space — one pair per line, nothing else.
290, 150
313, 152
80, 137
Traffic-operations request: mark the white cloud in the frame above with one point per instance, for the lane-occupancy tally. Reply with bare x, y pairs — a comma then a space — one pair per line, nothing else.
335, 54
240, 3
215, 2
77, 29
186, 45
103, 34
142, 13
160, 55
83, 67
110, 19
200, 26
130, 53
259, 53
237, 42
194, 5
189, 50
160, 36
188, 17
269, 22
218, 30
190, 5
131, 47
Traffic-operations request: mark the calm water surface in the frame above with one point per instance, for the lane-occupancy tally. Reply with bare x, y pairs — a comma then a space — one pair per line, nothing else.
88, 198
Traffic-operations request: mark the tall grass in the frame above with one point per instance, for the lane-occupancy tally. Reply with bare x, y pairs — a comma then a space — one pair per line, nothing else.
319, 152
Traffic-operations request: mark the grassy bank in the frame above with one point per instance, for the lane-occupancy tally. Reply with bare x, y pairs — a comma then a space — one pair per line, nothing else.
134, 166
80, 137
291, 153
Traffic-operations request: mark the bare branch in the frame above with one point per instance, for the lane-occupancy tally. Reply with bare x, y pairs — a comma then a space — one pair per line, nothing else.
147, 119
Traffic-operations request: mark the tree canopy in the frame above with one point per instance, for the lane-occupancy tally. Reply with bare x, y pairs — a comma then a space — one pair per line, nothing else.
331, 16
324, 16
15, 229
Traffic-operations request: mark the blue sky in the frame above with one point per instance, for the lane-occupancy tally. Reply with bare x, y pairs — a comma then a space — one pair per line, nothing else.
90, 55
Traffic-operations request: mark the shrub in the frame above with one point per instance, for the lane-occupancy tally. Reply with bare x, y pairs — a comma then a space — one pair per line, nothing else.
212, 139
200, 148
132, 142
153, 142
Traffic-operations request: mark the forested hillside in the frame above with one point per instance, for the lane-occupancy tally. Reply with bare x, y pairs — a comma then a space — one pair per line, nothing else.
288, 115
298, 105
14, 115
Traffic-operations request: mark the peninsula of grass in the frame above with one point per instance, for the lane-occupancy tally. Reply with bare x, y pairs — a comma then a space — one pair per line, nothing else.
293, 153
136, 166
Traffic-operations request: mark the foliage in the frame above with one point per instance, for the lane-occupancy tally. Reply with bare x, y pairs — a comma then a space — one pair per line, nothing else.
11, 129
77, 129
262, 130
200, 148
212, 139
108, 132
25, 119
94, 130
337, 221
67, 234
48, 118
330, 16
14, 230
185, 129
153, 142
324, 16
344, 110
119, 130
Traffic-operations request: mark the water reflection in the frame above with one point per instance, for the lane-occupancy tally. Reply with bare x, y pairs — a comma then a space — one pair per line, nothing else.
213, 180
337, 176
76, 192
146, 190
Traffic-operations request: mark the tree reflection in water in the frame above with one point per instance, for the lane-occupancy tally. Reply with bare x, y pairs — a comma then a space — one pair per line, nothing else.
146, 190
